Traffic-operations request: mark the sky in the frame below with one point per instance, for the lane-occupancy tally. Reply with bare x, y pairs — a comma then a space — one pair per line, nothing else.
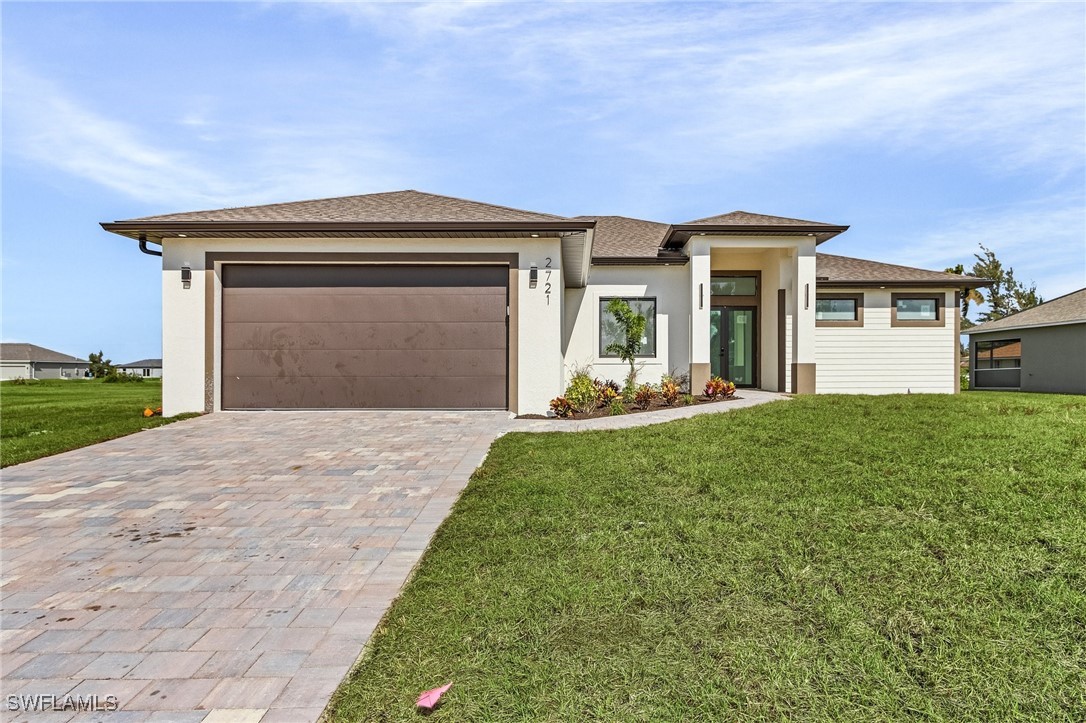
929, 128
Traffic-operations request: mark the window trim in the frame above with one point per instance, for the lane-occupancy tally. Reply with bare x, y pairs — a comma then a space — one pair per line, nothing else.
858, 322
940, 309
599, 325
977, 354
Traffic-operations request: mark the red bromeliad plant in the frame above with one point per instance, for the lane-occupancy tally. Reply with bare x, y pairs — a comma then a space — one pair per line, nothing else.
718, 388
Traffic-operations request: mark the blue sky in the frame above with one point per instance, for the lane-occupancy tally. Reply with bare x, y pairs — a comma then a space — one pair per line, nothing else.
928, 127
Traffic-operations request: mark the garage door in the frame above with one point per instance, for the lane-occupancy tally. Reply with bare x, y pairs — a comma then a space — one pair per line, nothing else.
348, 337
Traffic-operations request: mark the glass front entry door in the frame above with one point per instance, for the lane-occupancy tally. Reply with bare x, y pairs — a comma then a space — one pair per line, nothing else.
732, 339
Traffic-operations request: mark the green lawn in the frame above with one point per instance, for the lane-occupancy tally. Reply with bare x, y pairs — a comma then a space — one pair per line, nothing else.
827, 558
50, 416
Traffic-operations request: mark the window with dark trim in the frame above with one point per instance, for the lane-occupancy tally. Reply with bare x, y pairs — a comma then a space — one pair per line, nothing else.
611, 332
733, 285
917, 310
1000, 354
839, 309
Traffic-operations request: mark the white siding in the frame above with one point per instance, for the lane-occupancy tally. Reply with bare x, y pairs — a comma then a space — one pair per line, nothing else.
880, 359
670, 286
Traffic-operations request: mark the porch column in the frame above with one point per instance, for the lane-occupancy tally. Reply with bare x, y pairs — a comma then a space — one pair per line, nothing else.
699, 313
803, 319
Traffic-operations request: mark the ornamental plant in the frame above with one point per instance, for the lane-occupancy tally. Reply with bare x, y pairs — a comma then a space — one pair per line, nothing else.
633, 326
718, 388
561, 407
616, 407
581, 393
606, 391
644, 396
670, 391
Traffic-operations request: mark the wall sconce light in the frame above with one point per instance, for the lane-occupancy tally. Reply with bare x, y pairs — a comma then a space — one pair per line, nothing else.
186, 276
701, 296
533, 277
806, 296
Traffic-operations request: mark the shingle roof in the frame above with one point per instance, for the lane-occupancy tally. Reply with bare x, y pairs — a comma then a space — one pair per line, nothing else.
624, 237
34, 353
391, 207
154, 363
831, 269
1067, 309
745, 218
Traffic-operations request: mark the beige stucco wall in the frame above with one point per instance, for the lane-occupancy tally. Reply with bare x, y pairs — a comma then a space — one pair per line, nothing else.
539, 316
582, 320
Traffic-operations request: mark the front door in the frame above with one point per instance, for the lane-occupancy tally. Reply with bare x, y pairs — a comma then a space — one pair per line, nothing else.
733, 341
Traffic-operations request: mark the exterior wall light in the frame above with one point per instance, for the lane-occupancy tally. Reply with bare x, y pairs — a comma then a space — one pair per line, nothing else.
533, 277
186, 276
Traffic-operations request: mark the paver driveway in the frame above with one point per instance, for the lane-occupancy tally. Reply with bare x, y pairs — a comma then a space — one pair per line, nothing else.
226, 568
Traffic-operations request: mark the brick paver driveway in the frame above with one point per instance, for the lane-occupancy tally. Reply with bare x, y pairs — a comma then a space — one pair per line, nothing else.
226, 568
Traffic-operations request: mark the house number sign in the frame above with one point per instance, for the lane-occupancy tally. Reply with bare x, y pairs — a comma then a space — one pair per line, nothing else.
546, 280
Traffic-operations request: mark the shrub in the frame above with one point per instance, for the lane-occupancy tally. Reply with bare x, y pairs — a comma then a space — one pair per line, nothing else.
682, 381
717, 388
688, 399
670, 391
24, 382
644, 396
616, 407
116, 377
606, 392
581, 393
561, 407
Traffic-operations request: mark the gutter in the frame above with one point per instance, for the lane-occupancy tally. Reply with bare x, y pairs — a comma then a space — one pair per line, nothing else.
144, 249
173, 228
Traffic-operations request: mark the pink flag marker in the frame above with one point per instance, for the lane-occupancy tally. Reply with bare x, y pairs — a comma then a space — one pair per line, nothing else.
430, 698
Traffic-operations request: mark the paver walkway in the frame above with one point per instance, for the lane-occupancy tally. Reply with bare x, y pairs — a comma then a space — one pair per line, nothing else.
231, 567
225, 568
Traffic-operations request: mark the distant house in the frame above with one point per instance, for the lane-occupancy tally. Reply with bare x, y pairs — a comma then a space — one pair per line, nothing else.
30, 361
1037, 350
150, 368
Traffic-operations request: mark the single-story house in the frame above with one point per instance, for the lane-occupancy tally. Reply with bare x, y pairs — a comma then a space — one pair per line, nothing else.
1041, 349
30, 361
413, 300
149, 368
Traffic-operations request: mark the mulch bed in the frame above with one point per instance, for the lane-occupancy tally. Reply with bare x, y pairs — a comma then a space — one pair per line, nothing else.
655, 406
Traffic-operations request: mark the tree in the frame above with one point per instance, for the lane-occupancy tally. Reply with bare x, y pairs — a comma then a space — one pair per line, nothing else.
1006, 295
100, 366
633, 326
969, 295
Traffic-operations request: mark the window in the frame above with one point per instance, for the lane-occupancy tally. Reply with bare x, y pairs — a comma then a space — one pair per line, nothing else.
839, 310
1002, 354
916, 310
733, 285
611, 331
146, 372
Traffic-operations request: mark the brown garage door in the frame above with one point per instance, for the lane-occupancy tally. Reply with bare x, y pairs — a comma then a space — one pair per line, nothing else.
348, 337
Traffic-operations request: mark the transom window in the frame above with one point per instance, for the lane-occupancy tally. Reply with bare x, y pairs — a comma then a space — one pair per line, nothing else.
839, 310
1001, 354
611, 331
916, 310
733, 285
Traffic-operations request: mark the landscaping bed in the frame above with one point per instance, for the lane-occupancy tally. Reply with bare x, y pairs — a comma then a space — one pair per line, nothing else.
653, 406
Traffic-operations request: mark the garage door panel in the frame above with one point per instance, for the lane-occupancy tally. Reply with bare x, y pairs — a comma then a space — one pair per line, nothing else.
362, 363
365, 393
342, 337
319, 305
365, 335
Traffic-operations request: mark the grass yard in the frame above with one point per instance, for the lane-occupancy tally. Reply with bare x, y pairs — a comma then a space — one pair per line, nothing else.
827, 558
49, 416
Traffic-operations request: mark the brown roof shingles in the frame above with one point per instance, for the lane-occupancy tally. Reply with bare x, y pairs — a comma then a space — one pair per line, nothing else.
391, 207
831, 269
624, 237
745, 218
1066, 309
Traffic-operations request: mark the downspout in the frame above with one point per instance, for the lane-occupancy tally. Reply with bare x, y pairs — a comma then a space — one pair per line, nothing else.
144, 249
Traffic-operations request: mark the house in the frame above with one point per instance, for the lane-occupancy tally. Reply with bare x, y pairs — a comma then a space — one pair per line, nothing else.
30, 361
149, 368
409, 299
1040, 349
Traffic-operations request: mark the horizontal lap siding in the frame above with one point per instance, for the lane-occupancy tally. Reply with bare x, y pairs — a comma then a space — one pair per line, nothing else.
364, 337
880, 359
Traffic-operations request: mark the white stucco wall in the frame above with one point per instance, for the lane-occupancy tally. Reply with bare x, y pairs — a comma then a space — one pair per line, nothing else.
539, 318
880, 359
668, 284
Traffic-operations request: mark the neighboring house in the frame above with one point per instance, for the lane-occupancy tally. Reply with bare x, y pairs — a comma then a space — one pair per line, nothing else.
409, 299
29, 361
150, 368
1041, 349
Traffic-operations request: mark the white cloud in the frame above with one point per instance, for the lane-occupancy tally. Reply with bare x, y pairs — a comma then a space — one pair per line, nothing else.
243, 163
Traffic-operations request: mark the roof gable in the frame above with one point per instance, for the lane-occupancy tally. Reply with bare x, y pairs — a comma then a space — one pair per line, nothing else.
746, 218
1066, 309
